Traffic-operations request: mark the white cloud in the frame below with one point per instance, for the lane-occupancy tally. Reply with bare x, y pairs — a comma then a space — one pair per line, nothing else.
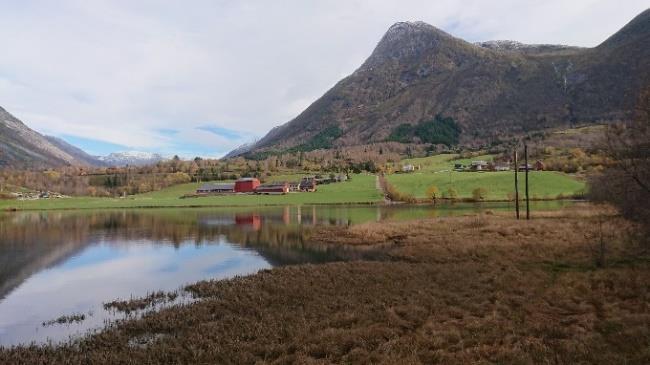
119, 71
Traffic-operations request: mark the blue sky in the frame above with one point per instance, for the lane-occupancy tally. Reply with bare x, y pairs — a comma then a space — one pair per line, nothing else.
201, 77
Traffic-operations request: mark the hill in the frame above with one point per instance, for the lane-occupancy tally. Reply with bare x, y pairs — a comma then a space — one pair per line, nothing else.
491, 90
22, 147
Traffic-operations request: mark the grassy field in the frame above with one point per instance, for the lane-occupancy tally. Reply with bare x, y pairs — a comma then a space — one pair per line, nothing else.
442, 162
438, 171
543, 184
360, 189
463, 290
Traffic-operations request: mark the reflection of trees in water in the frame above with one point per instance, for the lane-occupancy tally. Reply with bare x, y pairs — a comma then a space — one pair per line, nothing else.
30, 242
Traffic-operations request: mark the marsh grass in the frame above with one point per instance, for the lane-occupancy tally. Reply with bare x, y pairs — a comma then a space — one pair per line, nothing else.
66, 319
141, 303
459, 290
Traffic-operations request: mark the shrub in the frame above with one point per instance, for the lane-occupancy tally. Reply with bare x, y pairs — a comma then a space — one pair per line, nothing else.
452, 194
395, 195
479, 194
433, 193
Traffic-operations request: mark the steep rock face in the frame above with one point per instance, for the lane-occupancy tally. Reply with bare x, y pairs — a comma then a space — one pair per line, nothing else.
23, 147
492, 89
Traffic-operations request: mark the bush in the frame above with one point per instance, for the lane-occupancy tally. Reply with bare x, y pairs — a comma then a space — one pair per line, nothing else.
395, 195
433, 193
479, 194
451, 194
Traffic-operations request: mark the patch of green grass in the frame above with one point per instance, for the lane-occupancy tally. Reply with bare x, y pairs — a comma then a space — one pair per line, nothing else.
443, 161
360, 189
543, 184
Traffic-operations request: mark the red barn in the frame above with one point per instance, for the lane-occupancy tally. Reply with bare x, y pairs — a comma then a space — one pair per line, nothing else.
246, 185
273, 188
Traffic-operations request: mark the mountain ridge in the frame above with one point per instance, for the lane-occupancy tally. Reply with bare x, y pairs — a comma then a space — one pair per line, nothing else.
22, 147
418, 71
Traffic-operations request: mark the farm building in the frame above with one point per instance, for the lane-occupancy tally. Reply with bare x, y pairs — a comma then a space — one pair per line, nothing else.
246, 185
294, 186
479, 165
308, 184
216, 188
341, 177
408, 168
273, 188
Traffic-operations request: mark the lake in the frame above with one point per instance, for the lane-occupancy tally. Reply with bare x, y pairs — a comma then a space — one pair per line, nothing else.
63, 263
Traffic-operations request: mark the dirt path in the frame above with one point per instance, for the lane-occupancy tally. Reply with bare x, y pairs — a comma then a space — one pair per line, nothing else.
380, 184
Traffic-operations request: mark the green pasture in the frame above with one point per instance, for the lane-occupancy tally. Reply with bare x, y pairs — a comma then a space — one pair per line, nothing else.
360, 189
543, 184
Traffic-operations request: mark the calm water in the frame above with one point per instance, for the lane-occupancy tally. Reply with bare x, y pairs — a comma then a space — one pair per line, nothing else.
64, 263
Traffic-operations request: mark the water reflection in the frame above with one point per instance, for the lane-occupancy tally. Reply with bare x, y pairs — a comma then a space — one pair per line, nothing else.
62, 263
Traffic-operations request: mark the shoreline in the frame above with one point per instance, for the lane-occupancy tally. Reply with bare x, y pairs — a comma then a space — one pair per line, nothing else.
446, 202
453, 290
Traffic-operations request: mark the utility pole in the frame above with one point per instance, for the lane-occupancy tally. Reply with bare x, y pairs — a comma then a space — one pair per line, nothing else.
516, 185
526, 162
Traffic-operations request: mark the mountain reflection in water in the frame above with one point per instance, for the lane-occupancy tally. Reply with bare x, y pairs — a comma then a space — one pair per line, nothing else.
70, 262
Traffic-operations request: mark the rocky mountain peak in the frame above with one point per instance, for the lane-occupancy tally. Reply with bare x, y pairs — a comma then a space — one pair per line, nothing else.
405, 40
493, 90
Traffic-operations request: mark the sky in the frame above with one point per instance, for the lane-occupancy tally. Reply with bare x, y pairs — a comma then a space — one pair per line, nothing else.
199, 78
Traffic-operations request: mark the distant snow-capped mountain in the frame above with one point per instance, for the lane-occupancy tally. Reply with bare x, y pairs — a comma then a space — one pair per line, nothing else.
132, 158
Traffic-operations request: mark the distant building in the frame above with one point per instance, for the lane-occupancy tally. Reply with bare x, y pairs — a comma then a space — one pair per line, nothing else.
341, 177
211, 188
246, 185
479, 165
408, 168
501, 167
294, 186
308, 184
273, 188
523, 166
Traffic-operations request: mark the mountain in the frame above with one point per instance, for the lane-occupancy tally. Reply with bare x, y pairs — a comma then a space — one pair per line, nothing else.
76, 152
486, 91
22, 147
131, 158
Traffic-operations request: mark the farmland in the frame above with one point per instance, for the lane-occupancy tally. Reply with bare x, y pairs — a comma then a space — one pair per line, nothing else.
360, 189
438, 171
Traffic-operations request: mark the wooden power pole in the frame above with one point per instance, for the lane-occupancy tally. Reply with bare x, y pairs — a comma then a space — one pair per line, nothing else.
516, 185
526, 162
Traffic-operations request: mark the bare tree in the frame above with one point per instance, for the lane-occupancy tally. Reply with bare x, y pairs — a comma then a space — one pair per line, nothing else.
626, 181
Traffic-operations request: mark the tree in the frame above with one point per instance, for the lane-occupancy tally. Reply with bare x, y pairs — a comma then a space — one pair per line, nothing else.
625, 182
433, 193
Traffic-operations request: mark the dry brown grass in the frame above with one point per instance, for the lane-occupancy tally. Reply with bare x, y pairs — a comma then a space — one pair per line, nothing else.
481, 289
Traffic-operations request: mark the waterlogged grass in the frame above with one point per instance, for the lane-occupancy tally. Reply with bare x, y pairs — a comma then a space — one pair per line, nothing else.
543, 184
360, 189
456, 291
